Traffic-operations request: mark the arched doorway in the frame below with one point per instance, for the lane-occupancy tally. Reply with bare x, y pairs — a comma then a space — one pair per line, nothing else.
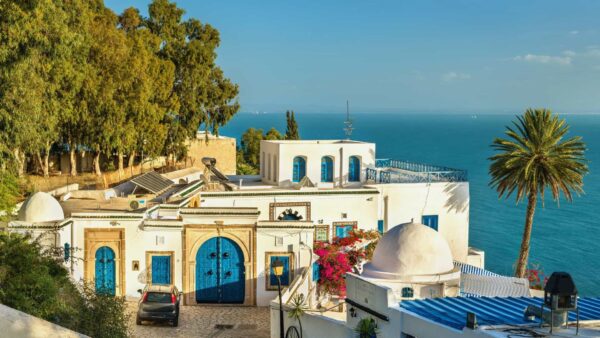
105, 271
220, 275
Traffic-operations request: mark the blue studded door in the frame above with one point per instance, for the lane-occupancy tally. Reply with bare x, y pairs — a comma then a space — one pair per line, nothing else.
220, 272
105, 271
161, 269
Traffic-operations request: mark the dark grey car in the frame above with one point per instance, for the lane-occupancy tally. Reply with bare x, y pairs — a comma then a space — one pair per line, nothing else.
159, 303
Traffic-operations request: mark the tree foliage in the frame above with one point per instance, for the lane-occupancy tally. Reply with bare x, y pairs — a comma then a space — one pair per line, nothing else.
35, 281
74, 73
248, 154
291, 132
537, 156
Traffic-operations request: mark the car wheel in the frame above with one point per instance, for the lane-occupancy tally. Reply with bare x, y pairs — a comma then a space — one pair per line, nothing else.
138, 321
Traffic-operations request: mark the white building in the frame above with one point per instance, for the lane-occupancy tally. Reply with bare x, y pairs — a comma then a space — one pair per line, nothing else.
215, 236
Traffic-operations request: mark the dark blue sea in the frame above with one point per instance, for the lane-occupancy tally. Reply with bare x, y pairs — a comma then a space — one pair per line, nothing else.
565, 237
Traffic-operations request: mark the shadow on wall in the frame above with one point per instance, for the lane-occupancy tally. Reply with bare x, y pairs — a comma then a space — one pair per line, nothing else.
458, 197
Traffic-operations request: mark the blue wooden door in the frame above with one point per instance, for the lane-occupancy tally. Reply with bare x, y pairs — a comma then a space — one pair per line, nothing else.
326, 169
231, 274
207, 272
299, 169
161, 269
353, 169
105, 271
220, 272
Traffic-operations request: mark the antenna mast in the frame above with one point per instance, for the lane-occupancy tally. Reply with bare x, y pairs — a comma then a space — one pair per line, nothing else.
348, 123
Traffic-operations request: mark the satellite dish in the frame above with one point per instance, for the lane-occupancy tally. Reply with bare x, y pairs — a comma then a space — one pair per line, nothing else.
134, 205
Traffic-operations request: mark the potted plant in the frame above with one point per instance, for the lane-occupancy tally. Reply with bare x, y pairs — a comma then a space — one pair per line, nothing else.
366, 328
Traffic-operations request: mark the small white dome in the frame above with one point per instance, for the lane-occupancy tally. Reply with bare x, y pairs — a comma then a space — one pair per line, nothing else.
409, 249
41, 207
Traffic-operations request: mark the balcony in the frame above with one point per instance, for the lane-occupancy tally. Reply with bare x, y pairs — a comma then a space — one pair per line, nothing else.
395, 171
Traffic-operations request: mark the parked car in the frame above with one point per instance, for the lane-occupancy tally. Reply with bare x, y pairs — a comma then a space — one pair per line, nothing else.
159, 303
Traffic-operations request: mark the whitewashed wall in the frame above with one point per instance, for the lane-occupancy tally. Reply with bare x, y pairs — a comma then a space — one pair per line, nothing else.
282, 155
450, 201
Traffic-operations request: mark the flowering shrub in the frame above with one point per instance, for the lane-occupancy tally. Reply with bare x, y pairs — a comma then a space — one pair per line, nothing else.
536, 277
341, 256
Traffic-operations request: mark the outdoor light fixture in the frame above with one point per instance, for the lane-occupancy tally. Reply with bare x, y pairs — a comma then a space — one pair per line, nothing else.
277, 267
560, 295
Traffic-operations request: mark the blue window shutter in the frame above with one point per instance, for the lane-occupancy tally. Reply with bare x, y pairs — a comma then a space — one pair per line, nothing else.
326, 169
354, 169
380, 226
315, 271
299, 169
431, 221
407, 292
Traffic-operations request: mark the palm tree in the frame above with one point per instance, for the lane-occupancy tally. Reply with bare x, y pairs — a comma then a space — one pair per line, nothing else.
534, 157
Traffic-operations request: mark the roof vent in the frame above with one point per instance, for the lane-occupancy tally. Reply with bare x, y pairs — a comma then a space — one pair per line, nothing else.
560, 292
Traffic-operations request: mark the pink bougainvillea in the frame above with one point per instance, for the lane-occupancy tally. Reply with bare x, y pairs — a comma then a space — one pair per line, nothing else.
339, 257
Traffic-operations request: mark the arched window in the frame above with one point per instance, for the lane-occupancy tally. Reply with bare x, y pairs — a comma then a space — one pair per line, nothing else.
354, 169
326, 169
408, 292
299, 169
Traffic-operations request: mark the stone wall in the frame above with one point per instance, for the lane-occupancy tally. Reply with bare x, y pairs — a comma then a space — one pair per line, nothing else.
222, 148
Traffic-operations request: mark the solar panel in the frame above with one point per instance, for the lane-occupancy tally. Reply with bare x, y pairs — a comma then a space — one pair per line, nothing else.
153, 182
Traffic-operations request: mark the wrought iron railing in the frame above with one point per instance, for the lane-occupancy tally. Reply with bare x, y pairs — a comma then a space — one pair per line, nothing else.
396, 171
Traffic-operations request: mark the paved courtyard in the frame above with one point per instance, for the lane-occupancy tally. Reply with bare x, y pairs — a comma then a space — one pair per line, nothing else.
208, 321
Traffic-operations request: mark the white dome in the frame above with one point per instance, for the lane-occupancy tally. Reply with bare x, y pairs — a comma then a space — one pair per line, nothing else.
41, 207
409, 249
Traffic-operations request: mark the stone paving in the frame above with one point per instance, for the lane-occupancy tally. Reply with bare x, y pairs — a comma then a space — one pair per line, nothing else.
208, 321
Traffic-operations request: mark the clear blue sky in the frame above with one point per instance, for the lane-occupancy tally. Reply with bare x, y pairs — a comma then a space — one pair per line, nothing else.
403, 56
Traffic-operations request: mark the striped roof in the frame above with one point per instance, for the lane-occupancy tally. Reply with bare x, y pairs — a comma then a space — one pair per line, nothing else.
452, 311
473, 270
493, 286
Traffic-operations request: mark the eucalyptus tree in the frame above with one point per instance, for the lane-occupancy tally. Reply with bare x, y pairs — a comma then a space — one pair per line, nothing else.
150, 81
535, 156
202, 95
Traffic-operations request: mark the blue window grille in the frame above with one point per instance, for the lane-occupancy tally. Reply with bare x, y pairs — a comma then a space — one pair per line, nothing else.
299, 169
326, 169
354, 169
380, 226
316, 271
408, 292
431, 221
342, 231
285, 277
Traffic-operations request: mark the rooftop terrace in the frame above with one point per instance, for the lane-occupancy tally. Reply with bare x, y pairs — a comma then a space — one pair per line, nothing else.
396, 171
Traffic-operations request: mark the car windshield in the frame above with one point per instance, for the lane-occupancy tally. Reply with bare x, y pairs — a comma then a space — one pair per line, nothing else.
158, 297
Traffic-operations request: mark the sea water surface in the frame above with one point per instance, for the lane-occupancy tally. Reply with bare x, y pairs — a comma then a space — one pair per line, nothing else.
565, 237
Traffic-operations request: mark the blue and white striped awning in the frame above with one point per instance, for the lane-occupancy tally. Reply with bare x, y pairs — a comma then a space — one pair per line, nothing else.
473, 270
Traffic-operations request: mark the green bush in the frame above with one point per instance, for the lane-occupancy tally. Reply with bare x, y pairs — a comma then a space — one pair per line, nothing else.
33, 280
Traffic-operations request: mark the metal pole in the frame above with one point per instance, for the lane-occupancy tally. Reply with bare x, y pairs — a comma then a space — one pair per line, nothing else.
281, 335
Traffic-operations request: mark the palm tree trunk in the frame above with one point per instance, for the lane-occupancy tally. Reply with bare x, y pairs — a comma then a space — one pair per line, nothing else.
524, 252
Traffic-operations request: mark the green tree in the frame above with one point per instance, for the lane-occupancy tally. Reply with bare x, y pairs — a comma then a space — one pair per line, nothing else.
203, 96
250, 146
291, 132
273, 134
535, 156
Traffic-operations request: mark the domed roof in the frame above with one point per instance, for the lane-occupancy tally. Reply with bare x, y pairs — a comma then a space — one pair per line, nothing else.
409, 249
41, 207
